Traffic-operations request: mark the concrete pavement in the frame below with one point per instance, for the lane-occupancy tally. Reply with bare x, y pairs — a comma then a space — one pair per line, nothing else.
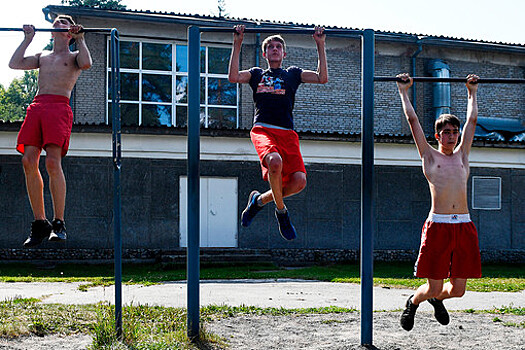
262, 293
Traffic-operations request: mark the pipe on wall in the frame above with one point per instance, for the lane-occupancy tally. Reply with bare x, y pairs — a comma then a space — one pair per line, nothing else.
440, 91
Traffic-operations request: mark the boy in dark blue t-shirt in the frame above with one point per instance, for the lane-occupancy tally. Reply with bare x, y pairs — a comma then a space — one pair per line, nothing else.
275, 141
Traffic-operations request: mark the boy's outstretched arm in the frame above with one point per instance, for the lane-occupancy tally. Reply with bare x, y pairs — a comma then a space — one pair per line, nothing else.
18, 61
83, 58
321, 76
413, 121
472, 114
234, 75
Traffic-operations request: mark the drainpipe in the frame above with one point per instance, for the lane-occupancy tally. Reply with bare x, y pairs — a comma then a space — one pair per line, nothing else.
47, 16
257, 48
440, 91
413, 73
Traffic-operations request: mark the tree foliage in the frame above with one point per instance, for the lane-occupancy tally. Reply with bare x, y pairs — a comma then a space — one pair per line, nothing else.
221, 6
101, 4
16, 98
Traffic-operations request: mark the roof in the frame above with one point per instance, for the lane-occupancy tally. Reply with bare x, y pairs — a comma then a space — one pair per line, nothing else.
209, 20
245, 133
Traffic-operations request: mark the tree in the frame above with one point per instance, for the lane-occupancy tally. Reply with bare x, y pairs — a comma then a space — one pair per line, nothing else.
221, 5
101, 4
15, 100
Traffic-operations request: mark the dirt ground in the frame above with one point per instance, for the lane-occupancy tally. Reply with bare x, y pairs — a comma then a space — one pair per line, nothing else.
337, 331
342, 331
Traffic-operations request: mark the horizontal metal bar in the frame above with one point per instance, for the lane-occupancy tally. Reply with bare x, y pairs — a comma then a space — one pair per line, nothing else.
84, 30
454, 80
281, 30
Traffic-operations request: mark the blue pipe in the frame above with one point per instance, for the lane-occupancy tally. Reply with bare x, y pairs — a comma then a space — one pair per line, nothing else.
441, 90
257, 49
414, 72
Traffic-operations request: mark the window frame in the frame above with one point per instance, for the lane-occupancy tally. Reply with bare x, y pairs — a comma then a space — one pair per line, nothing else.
173, 74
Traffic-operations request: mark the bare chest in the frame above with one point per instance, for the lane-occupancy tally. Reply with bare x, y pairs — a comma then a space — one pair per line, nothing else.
63, 63
450, 168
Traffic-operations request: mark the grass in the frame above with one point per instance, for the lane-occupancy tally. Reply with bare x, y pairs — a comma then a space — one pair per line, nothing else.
144, 327
497, 277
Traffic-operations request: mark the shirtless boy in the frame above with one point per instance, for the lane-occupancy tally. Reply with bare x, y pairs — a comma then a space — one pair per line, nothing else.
48, 122
449, 240
272, 135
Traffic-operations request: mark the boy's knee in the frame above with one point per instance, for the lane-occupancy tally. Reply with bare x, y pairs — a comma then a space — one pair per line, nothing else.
53, 165
299, 183
274, 163
29, 162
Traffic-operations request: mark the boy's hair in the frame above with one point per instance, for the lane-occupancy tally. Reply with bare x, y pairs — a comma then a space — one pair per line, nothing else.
70, 20
66, 17
446, 119
273, 38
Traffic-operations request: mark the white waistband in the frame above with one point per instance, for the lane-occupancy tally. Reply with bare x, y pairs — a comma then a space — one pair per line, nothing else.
266, 125
449, 218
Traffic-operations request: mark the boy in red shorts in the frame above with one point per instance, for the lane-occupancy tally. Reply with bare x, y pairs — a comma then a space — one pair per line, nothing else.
275, 141
449, 240
48, 122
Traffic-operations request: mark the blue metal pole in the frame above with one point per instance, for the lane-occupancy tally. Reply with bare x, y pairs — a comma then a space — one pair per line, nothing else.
193, 267
117, 224
367, 184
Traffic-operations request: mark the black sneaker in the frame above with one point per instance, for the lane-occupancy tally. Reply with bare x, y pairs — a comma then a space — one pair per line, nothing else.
407, 317
59, 231
440, 313
285, 226
251, 209
40, 230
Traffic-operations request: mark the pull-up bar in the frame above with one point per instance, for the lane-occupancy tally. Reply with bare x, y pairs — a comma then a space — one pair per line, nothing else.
281, 30
454, 80
83, 30
367, 169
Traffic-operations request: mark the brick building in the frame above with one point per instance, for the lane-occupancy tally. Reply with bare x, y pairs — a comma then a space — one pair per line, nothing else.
327, 118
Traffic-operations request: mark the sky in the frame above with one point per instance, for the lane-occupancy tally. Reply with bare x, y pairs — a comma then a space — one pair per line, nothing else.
489, 20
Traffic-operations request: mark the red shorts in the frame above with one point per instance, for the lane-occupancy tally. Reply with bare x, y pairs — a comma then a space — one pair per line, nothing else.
449, 248
285, 142
48, 121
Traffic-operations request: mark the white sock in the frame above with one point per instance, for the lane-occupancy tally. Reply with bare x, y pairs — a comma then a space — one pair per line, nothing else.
281, 211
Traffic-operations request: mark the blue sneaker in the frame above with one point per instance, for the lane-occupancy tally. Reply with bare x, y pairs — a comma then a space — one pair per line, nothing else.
285, 226
251, 209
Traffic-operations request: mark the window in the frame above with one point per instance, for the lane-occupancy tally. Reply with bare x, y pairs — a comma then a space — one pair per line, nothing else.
486, 192
154, 85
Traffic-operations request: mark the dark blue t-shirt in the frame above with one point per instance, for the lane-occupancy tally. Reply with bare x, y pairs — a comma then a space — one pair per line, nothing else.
274, 95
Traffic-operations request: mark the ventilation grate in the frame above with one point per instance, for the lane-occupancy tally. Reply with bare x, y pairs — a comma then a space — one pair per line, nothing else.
486, 193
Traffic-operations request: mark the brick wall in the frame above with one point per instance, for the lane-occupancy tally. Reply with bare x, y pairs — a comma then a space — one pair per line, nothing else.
89, 99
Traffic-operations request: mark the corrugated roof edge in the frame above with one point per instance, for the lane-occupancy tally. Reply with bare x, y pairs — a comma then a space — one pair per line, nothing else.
279, 23
244, 132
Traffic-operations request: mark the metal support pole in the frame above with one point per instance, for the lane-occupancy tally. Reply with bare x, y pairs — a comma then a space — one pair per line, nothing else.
367, 184
117, 224
193, 268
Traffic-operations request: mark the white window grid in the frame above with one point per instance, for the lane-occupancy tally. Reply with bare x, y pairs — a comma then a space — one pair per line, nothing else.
173, 75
